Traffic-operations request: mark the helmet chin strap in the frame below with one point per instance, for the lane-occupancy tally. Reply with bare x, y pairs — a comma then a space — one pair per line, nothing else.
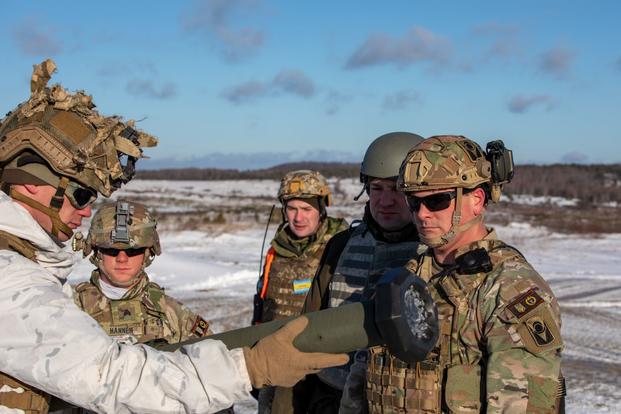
53, 211
456, 228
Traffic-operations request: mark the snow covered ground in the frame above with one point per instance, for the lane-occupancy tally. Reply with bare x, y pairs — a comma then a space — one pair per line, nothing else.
215, 272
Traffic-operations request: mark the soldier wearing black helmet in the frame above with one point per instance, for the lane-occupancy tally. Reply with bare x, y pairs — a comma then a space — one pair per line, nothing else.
355, 259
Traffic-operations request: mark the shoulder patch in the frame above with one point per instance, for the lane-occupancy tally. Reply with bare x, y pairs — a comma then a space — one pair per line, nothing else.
525, 303
540, 331
200, 327
536, 324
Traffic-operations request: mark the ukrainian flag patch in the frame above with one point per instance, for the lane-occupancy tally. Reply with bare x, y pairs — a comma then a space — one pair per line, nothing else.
301, 286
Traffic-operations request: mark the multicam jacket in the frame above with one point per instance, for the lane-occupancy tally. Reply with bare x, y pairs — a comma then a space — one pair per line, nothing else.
289, 269
499, 349
145, 313
50, 344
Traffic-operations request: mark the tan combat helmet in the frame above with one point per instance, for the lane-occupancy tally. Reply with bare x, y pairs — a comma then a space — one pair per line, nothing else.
305, 184
122, 225
449, 161
59, 139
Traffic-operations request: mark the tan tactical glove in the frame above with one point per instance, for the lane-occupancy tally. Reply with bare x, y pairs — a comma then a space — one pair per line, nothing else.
275, 361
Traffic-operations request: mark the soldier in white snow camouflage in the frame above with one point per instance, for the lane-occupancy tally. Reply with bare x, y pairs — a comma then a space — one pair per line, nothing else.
57, 153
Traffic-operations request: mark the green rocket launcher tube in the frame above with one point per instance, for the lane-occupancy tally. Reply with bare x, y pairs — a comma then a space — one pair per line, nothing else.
403, 317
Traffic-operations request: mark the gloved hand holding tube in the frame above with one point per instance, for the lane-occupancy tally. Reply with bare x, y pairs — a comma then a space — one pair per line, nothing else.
402, 316
275, 360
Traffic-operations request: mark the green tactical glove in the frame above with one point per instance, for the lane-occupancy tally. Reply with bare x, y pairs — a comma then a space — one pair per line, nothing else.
274, 360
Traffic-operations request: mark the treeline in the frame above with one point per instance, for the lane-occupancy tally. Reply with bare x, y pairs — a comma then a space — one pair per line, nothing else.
599, 183
589, 183
329, 169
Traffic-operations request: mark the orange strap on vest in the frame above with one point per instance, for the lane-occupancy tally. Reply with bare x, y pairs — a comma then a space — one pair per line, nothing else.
266, 270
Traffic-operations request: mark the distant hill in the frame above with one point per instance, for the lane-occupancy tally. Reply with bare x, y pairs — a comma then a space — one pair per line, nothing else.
599, 183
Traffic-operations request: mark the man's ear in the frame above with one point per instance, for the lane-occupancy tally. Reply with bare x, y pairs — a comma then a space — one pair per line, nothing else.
478, 201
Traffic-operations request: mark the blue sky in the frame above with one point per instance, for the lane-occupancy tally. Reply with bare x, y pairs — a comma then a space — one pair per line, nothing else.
250, 83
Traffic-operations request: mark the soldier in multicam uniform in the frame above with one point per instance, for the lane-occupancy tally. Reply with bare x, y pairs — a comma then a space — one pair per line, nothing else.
119, 296
354, 259
57, 153
293, 257
124, 241
499, 349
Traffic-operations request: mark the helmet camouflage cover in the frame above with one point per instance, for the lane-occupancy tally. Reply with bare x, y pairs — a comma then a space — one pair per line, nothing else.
71, 136
123, 225
451, 161
304, 184
444, 161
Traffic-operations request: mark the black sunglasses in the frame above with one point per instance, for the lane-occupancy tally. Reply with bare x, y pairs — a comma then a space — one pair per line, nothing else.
433, 202
80, 197
111, 251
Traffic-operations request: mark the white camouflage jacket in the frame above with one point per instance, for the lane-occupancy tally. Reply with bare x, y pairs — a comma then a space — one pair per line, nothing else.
47, 342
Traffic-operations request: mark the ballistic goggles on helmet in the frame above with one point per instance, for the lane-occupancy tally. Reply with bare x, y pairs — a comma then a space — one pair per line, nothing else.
80, 197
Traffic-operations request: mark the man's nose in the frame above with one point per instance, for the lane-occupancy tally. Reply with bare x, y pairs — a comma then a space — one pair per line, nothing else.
423, 212
122, 256
387, 198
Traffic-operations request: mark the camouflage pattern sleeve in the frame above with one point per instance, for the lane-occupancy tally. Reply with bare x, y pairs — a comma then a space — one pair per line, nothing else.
523, 342
190, 325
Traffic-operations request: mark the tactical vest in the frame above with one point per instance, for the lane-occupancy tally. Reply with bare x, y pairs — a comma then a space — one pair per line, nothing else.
451, 379
289, 278
363, 261
16, 394
140, 317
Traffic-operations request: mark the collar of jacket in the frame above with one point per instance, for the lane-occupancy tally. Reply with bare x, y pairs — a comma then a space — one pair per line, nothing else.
433, 267
16, 220
287, 244
486, 242
132, 292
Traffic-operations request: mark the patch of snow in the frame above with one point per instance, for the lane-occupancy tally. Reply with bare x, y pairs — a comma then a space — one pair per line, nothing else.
532, 200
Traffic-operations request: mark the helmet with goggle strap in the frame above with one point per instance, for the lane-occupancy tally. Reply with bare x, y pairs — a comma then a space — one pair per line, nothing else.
455, 162
123, 225
57, 138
